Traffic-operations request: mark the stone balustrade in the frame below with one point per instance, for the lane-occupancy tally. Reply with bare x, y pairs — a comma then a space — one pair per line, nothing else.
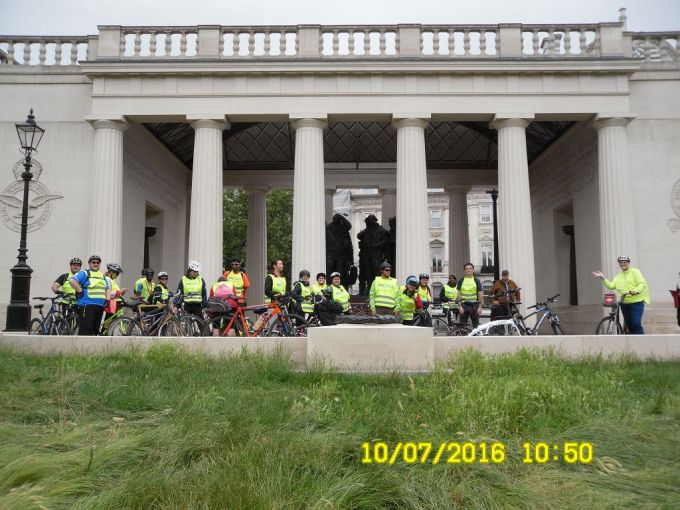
321, 42
43, 50
655, 47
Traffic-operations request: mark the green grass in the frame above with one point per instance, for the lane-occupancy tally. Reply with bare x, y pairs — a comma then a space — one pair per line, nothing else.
170, 430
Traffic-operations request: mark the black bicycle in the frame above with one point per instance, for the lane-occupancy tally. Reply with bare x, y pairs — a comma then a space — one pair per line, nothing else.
54, 322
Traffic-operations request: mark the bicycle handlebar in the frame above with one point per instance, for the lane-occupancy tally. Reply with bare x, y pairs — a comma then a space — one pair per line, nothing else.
544, 303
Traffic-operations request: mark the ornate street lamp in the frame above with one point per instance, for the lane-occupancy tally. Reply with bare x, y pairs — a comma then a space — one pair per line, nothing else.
19, 308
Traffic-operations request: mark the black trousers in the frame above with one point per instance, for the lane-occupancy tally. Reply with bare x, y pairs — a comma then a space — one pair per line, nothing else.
500, 311
328, 312
194, 309
90, 319
470, 312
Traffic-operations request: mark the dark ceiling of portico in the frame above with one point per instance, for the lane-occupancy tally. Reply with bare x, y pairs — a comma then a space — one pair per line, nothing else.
271, 145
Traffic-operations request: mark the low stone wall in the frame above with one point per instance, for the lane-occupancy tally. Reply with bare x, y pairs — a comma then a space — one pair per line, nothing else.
366, 349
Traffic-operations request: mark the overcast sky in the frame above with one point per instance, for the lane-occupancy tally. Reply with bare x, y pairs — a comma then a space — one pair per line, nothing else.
80, 17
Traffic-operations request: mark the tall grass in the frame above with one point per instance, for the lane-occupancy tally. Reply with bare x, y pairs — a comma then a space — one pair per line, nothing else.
168, 430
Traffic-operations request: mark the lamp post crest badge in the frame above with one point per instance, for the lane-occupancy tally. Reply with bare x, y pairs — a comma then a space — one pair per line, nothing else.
40, 200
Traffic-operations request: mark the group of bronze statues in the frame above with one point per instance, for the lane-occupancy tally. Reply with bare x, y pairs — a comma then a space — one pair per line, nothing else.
376, 245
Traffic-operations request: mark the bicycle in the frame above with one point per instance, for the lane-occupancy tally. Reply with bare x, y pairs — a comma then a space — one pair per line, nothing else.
516, 325
159, 320
274, 320
611, 324
120, 312
423, 318
51, 324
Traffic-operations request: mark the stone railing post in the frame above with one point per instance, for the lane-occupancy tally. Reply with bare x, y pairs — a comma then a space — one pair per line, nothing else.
209, 41
611, 39
308, 39
92, 47
109, 42
510, 35
409, 40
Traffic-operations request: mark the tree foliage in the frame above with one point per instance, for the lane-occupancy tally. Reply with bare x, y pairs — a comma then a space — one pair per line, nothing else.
279, 227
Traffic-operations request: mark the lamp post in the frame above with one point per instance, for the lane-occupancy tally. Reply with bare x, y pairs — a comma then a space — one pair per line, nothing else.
19, 308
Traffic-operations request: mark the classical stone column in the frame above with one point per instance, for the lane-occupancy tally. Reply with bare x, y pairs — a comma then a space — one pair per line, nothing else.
413, 228
256, 243
205, 227
106, 229
328, 197
459, 234
309, 208
617, 233
389, 205
515, 230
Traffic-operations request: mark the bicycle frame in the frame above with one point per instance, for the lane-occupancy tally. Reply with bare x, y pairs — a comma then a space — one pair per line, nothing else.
276, 310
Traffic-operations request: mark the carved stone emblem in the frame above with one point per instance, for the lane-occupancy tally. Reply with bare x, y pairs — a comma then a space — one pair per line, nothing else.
674, 223
39, 205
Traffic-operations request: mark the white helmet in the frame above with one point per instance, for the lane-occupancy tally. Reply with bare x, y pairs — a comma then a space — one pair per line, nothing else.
195, 265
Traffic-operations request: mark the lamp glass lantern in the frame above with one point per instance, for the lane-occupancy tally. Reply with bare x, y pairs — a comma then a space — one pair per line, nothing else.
29, 133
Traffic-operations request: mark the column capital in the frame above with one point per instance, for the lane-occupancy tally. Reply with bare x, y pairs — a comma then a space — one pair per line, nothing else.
256, 190
503, 120
419, 120
386, 189
117, 122
316, 121
602, 120
208, 120
457, 188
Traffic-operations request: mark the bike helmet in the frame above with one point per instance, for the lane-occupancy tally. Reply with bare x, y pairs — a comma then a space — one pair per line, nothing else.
319, 275
76, 260
162, 274
385, 265
304, 272
623, 258
424, 275
333, 275
411, 280
195, 265
114, 268
148, 272
94, 257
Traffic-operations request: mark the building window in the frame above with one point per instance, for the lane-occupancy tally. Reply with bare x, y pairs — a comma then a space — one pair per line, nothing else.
485, 213
437, 258
436, 218
487, 258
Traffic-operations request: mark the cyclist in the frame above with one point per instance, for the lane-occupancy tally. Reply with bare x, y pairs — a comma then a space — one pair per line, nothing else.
112, 272
500, 301
629, 281
423, 289
144, 286
63, 282
193, 290
160, 291
320, 284
92, 290
274, 282
448, 296
239, 279
302, 294
470, 296
336, 302
382, 298
409, 300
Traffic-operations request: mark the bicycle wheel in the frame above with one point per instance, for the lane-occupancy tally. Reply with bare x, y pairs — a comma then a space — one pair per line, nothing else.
35, 328
440, 328
172, 327
191, 325
125, 326
460, 330
557, 328
59, 326
609, 326
290, 325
